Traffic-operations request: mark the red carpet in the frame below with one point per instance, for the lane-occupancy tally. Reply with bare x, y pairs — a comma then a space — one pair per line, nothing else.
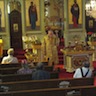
63, 73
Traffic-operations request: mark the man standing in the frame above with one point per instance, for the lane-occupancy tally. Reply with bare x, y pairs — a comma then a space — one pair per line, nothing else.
32, 15
49, 47
75, 14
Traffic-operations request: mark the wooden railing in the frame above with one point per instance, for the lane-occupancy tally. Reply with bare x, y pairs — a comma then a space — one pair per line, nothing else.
49, 83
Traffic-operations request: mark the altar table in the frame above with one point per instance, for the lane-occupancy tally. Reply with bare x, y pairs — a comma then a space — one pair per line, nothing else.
74, 59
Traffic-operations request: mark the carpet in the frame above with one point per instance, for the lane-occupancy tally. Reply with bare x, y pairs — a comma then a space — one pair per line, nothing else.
62, 71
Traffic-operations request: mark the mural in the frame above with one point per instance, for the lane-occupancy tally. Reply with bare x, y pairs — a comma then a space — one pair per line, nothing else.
32, 9
75, 14
2, 17
53, 14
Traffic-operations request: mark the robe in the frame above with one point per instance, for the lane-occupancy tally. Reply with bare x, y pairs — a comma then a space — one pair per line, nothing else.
49, 49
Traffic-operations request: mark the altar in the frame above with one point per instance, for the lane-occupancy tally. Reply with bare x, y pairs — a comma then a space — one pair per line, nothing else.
74, 59
93, 44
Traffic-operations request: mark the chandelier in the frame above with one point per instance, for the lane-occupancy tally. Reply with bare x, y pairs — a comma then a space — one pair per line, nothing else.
91, 8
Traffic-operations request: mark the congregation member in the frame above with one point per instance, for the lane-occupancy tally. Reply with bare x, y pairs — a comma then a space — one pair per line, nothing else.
40, 73
49, 47
10, 58
25, 68
84, 71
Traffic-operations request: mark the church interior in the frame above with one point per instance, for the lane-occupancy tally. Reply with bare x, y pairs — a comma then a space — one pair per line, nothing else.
59, 33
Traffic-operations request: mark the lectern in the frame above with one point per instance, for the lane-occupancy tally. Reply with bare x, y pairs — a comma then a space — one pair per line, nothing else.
37, 51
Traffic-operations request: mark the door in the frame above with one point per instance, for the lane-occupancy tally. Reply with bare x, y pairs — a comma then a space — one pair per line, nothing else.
15, 29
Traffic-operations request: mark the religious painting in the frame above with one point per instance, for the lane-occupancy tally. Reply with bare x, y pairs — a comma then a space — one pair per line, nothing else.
54, 15
75, 14
32, 15
2, 16
77, 60
15, 27
54, 10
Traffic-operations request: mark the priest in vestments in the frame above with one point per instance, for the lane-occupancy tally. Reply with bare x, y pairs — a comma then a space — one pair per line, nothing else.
49, 47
